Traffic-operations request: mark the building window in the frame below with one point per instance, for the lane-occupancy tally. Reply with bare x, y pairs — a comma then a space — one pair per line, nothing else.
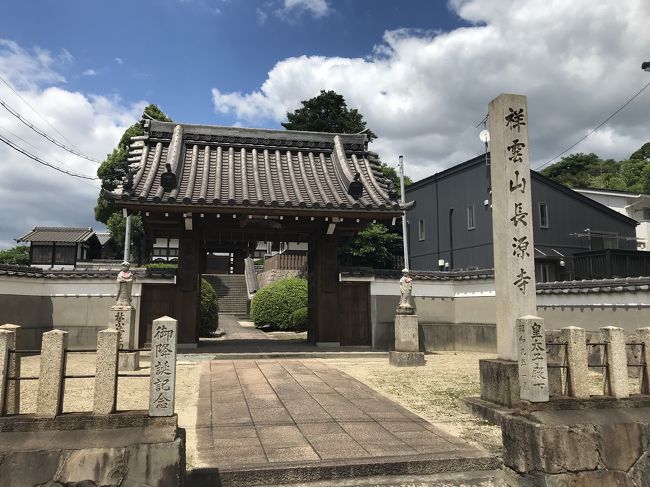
470, 217
543, 215
421, 233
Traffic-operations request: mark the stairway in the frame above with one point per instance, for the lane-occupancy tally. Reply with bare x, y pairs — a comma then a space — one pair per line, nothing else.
231, 292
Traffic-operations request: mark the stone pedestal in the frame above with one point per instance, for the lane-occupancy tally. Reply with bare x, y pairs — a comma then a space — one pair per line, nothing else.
122, 318
407, 344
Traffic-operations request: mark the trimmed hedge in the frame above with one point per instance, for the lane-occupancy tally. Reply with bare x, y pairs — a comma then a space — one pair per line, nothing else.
298, 319
275, 303
209, 313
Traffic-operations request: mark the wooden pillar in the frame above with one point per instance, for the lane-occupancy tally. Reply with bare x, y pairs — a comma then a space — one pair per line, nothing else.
323, 290
239, 254
188, 295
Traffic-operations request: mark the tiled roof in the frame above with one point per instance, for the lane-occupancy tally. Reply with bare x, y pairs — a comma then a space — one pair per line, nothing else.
57, 234
103, 237
35, 272
419, 275
230, 167
617, 285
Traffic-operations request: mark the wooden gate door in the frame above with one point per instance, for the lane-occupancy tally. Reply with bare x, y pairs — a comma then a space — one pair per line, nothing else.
157, 300
354, 314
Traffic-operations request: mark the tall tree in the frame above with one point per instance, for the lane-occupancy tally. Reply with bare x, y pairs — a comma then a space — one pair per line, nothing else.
327, 112
111, 172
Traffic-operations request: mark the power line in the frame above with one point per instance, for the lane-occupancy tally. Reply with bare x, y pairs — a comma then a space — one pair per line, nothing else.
45, 163
596, 127
43, 134
37, 112
40, 150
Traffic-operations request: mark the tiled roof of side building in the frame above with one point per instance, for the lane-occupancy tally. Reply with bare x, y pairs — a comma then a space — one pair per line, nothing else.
57, 234
231, 167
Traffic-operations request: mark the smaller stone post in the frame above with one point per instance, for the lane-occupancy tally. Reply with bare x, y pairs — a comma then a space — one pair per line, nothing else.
162, 387
616, 382
108, 342
12, 387
576, 360
6, 339
533, 370
644, 337
49, 402
407, 342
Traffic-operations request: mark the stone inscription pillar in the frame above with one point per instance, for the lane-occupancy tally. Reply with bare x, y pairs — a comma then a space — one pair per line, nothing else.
533, 371
512, 218
577, 375
644, 336
162, 387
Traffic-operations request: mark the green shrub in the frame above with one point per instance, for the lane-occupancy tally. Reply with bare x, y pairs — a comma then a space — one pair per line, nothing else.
275, 303
161, 265
298, 319
209, 313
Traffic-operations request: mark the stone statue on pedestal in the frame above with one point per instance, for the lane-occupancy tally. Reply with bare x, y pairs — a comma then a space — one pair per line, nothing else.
405, 288
124, 285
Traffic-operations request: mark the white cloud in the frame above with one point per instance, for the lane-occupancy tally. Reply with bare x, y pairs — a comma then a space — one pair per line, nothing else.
424, 92
317, 8
90, 72
34, 194
119, 60
261, 16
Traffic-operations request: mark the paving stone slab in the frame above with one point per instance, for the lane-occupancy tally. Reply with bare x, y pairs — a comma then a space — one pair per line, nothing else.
263, 421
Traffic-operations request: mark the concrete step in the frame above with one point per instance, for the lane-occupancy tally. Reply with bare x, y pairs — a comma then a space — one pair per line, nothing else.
474, 469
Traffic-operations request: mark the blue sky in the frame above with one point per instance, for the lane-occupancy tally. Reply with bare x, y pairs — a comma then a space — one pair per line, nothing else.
422, 73
173, 52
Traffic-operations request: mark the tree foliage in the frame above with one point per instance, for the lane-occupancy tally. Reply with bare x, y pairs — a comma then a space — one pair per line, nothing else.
209, 311
590, 171
374, 246
327, 112
111, 172
18, 255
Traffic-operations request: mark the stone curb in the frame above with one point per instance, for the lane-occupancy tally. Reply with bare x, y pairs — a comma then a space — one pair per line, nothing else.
286, 473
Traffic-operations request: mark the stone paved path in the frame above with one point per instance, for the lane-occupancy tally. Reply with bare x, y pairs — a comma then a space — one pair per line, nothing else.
265, 412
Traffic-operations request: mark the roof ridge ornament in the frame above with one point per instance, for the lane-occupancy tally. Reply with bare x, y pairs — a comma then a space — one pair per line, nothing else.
168, 179
356, 187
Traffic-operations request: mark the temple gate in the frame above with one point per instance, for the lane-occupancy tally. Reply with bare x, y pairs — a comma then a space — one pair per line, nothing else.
226, 188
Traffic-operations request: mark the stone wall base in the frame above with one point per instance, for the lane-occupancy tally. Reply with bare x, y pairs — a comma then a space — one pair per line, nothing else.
406, 359
586, 446
117, 449
499, 381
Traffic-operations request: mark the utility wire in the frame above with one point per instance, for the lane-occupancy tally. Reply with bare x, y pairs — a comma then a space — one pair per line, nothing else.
37, 112
45, 163
40, 150
596, 127
43, 134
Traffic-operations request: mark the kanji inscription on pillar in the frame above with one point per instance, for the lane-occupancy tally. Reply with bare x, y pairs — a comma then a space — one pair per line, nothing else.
533, 369
512, 218
162, 388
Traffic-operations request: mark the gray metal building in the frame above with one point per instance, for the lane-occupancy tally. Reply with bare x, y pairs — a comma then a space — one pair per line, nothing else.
450, 227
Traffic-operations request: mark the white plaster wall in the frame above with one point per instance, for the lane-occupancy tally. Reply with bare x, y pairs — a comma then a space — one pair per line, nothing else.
65, 302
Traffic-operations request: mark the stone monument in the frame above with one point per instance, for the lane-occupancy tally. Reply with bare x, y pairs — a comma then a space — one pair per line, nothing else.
122, 319
407, 344
514, 265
